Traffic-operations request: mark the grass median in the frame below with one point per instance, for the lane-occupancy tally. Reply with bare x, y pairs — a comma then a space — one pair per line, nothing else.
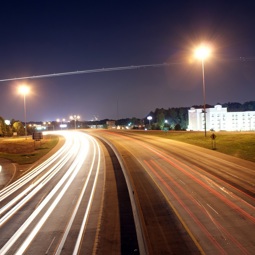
26, 151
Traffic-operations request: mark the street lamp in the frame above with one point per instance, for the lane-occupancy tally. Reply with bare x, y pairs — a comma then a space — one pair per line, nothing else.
149, 118
24, 90
201, 53
75, 118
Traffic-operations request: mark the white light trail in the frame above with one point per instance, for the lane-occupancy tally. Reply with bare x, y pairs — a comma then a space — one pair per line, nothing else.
10, 189
111, 69
60, 247
66, 180
100, 70
85, 218
28, 193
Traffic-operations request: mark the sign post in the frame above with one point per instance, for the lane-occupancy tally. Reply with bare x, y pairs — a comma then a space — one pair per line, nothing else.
37, 136
213, 137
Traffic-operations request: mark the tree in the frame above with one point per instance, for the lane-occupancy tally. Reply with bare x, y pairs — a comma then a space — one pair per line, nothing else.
249, 106
233, 107
2, 127
19, 128
177, 127
161, 120
183, 117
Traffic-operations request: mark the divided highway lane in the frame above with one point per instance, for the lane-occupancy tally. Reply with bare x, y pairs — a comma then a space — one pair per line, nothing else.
47, 211
191, 200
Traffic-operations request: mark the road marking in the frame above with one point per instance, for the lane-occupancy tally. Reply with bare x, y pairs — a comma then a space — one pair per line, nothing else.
196, 242
213, 209
50, 246
182, 182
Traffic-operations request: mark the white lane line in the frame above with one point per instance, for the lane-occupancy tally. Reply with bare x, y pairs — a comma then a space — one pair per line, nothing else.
213, 209
47, 251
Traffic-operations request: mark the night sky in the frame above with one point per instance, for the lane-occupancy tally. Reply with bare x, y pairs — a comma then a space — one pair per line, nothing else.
45, 37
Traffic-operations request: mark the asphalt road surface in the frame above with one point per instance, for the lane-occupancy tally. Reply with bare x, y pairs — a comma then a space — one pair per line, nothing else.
57, 208
117, 192
191, 200
47, 209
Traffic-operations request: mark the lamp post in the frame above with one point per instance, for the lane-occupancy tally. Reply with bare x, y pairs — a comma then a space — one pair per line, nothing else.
75, 118
24, 90
203, 52
149, 118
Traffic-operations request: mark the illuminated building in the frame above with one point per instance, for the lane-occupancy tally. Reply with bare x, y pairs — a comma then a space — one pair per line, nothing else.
218, 118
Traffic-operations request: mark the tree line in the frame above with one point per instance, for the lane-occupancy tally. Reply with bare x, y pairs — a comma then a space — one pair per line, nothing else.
162, 119
177, 118
15, 126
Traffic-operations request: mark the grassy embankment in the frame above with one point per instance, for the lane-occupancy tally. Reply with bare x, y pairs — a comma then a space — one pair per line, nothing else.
238, 144
26, 151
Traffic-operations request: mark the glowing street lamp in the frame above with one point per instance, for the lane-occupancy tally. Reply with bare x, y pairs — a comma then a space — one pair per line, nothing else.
24, 90
149, 118
202, 53
75, 118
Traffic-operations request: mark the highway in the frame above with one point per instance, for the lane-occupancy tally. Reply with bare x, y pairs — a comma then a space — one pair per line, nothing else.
48, 211
191, 200
121, 192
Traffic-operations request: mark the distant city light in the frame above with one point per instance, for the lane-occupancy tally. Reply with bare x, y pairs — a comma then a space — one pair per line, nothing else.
63, 125
75, 118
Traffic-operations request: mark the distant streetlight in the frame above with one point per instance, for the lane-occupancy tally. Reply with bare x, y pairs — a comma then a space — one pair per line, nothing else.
75, 118
24, 90
149, 118
202, 53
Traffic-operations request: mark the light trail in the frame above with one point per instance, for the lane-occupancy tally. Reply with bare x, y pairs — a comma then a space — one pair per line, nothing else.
196, 178
35, 213
121, 68
85, 218
79, 150
10, 189
28, 193
69, 177
195, 202
200, 180
100, 70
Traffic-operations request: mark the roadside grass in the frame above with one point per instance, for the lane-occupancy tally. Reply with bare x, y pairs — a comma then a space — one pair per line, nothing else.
36, 149
237, 144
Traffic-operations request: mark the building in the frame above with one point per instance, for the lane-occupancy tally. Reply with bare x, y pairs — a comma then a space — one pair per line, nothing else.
218, 118
110, 124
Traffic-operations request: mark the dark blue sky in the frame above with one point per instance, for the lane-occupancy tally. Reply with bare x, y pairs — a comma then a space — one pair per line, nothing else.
44, 37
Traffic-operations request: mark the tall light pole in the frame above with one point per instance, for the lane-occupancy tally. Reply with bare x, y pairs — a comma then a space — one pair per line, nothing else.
75, 118
24, 90
149, 118
203, 52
